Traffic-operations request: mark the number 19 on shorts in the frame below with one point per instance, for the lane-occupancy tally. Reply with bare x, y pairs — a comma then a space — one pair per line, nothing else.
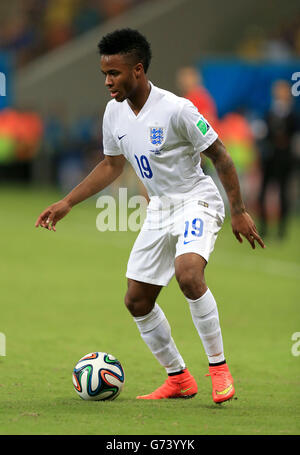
193, 230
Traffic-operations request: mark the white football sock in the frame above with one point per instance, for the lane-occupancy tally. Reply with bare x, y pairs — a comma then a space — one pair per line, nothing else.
206, 319
156, 332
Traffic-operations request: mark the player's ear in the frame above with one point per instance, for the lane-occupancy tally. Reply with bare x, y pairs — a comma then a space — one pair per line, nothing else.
138, 69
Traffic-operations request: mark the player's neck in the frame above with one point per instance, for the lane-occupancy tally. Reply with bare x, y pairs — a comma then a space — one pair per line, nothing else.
139, 98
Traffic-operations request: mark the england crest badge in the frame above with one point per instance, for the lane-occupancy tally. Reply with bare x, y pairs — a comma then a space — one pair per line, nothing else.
157, 135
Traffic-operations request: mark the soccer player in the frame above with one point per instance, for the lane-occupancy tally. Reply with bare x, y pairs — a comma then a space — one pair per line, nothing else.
162, 136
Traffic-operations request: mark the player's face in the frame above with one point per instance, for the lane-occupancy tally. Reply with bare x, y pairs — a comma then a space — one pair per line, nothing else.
120, 76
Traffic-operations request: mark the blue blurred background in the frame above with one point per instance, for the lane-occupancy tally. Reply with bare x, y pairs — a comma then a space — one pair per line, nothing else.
226, 58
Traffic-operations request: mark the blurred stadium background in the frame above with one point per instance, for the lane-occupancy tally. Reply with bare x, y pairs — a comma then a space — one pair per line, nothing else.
225, 57
50, 116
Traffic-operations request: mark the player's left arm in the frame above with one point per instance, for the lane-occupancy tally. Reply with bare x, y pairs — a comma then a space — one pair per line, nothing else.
241, 222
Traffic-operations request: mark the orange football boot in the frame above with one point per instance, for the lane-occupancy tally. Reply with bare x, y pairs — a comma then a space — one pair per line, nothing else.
222, 383
178, 386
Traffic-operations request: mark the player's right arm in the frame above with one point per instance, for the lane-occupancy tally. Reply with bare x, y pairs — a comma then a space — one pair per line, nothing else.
101, 176
194, 127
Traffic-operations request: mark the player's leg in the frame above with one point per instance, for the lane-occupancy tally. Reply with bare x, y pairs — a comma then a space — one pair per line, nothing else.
189, 271
155, 330
140, 297
152, 323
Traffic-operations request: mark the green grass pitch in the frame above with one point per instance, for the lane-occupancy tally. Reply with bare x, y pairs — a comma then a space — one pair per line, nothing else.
62, 297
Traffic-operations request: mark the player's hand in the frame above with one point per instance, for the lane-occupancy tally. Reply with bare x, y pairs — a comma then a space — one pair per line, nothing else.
51, 215
243, 225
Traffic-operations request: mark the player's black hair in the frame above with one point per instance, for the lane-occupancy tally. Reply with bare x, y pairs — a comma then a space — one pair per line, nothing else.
127, 41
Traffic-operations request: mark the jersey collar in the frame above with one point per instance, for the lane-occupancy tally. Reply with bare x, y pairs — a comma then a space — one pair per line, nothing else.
147, 104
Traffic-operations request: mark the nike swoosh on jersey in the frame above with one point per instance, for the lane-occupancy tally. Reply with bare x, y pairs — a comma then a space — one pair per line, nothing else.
121, 137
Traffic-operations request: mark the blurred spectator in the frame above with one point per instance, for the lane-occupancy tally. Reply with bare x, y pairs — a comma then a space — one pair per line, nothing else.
251, 45
20, 139
31, 28
112, 8
275, 48
189, 84
58, 21
72, 149
87, 16
281, 44
281, 124
235, 132
25, 129
19, 34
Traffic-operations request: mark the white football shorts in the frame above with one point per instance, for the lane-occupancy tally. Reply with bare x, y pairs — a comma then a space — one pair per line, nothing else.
169, 232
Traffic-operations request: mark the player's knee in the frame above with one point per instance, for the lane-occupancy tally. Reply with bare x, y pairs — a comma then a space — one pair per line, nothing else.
130, 302
137, 305
192, 283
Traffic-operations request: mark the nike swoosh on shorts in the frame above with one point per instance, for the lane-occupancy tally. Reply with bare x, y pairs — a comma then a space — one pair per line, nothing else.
189, 241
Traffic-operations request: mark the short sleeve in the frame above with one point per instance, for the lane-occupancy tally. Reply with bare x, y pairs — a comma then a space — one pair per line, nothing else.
194, 128
110, 147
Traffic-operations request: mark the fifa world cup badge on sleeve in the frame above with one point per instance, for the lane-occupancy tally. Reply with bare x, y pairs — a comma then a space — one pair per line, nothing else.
203, 126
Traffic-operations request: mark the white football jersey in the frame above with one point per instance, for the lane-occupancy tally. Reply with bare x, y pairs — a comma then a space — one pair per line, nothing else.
163, 144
